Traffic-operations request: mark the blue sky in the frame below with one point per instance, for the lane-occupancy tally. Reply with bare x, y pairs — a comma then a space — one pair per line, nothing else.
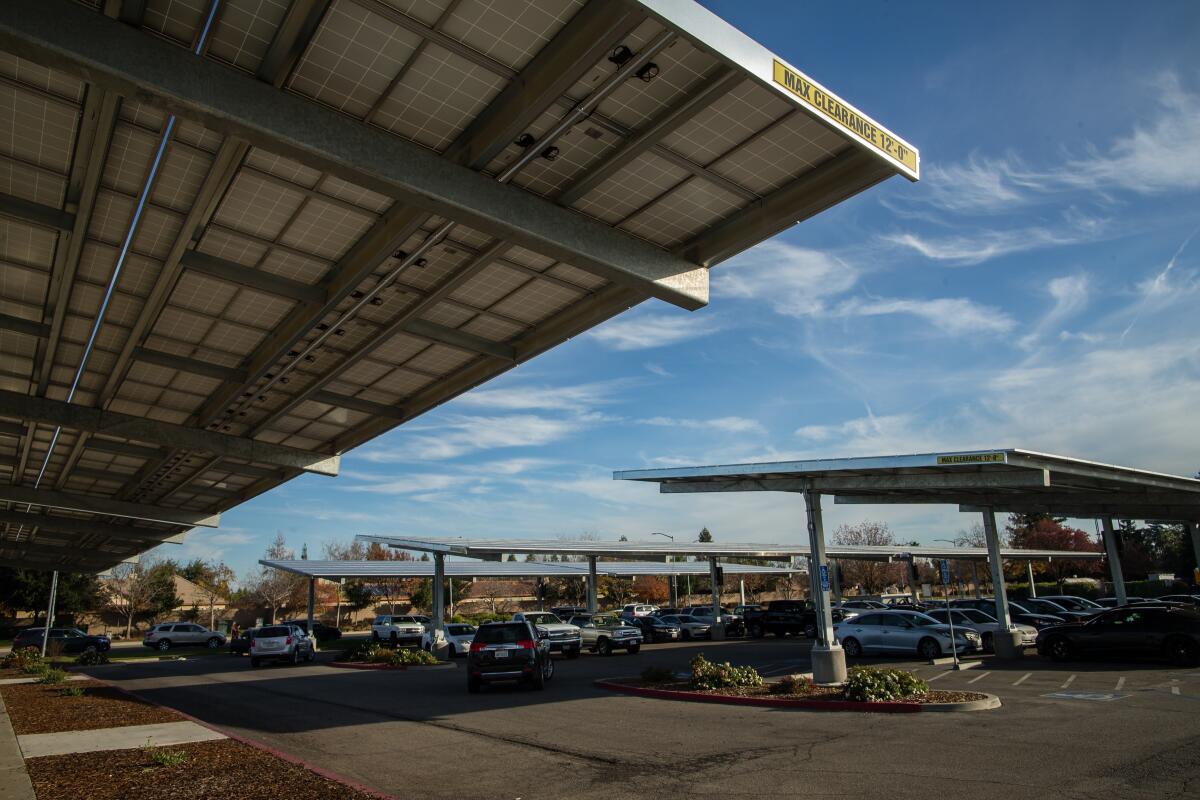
1037, 288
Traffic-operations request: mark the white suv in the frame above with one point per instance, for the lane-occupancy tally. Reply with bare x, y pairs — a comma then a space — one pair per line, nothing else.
281, 643
397, 629
637, 610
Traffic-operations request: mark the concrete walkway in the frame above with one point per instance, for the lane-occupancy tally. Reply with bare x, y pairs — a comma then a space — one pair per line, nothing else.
35, 679
36, 745
14, 781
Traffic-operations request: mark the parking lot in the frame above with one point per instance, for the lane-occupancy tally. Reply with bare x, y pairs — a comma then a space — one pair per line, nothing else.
1072, 730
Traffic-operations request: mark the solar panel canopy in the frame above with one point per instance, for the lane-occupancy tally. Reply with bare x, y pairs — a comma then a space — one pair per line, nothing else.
241, 237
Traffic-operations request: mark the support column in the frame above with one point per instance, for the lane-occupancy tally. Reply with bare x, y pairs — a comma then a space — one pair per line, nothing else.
717, 631
1194, 530
912, 582
591, 585
312, 599
1114, 560
975, 577
742, 591
1006, 640
1029, 573
828, 658
50, 612
438, 645
835, 575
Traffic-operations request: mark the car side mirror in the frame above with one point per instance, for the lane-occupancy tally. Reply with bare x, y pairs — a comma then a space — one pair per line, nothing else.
543, 635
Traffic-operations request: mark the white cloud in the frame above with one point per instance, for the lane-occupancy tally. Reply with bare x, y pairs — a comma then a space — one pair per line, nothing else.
648, 330
952, 315
657, 369
457, 436
524, 398
722, 424
409, 484
1070, 294
794, 281
975, 248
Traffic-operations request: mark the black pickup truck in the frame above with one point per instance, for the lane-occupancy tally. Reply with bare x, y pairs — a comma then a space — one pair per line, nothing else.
782, 617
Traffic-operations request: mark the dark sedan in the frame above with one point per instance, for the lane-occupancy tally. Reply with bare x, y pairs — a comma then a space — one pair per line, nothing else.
655, 630
1169, 632
1018, 612
322, 632
62, 641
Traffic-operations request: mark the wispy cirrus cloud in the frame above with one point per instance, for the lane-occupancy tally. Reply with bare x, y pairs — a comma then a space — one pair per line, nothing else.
794, 281
721, 424
1070, 294
983, 245
644, 331
459, 435
577, 397
952, 315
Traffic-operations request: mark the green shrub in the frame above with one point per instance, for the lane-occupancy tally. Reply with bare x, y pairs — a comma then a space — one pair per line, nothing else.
27, 659
360, 651
707, 675
90, 658
166, 758
403, 658
873, 684
792, 684
52, 676
72, 691
654, 675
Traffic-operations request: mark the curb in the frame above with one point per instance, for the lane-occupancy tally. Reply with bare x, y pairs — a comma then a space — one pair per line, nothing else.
882, 707
388, 667
257, 745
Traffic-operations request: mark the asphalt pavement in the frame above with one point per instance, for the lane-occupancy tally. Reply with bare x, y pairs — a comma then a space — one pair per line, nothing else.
1081, 730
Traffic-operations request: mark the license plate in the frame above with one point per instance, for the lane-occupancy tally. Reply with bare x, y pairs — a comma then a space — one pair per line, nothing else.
502, 653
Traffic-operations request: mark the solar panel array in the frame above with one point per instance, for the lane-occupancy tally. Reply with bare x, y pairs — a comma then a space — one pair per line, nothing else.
256, 296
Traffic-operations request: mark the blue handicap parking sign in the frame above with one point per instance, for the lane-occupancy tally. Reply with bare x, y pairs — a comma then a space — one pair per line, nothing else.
944, 568
824, 572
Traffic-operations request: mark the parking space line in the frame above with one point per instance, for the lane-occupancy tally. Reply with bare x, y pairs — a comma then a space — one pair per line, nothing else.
1120, 683
979, 677
1068, 682
1022, 679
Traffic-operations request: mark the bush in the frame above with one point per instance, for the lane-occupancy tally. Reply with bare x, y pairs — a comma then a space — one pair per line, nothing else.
707, 675
90, 658
72, 691
655, 675
28, 659
52, 677
361, 651
166, 758
792, 684
873, 684
401, 657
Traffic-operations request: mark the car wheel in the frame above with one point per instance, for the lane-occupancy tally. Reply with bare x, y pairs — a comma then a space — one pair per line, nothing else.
473, 684
1182, 652
686, 634
549, 671
312, 655
213, 643
1060, 649
810, 630
254, 662
375, 636
852, 647
634, 648
757, 631
392, 640
929, 648
604, 647
988, 642
295, 656
538, 679
164, 645
573, 652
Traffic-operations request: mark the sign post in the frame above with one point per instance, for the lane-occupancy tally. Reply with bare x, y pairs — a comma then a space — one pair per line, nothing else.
944, 569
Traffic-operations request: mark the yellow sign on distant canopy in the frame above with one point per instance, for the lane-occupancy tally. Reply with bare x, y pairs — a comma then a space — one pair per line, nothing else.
843, 116
972, 458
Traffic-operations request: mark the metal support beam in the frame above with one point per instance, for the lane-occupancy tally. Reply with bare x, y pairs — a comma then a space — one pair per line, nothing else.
828, 658
38, 330
1006, 640
191, 365
742, 591
1112, 549
291, 37
591, 585
460, 340
1194, 532
87, 527
142, 429
1029, 575
312, 597
835, 575
50, 612
102, 505
232, 272
717, 631
975, 578
438, 645
36, 213
1029, 479
912, 581
84, 44
357, 404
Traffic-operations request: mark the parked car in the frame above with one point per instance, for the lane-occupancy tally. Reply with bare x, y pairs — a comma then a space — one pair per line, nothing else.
1113, 602
1161, 631
858, 606
509, 651
166, 635
61, 641
1041, 605
1017, 612
397, 629
321, 631
281, 643
603, 633
566, 612
984, 624
1077, 605
690, 627
1185, 599
458, 637
902, 632
563, 637
741, 610
734, 624
240, 644
668, 612
782, 617
631, 610
654, 629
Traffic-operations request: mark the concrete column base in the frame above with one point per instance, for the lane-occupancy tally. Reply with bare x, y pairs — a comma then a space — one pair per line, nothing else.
440, 647
718, 631
1008, 646
829, 664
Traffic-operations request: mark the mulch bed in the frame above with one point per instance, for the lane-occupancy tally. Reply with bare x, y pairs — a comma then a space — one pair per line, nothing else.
224, 769
816, 693
35, 708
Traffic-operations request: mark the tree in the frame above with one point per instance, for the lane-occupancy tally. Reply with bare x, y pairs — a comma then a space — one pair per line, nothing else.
29, 590
1048, 533
651, 589
215, 579
144, 589
274, 587
872, 576
618, 591
705, 535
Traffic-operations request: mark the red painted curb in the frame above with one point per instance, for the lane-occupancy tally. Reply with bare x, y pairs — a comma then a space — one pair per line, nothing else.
883, 707
266, 748
356, 665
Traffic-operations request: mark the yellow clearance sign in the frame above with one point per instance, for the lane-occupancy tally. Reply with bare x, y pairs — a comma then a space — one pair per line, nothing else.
837, 112
972, 458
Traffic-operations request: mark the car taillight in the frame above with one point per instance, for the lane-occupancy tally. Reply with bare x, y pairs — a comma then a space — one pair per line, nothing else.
477, 646
526, 644
289, 640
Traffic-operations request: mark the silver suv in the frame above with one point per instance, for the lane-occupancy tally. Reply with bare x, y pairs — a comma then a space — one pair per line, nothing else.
166, 635
603, 633
281, 643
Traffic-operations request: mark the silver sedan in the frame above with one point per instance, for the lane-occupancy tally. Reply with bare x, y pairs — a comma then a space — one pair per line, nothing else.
690, 627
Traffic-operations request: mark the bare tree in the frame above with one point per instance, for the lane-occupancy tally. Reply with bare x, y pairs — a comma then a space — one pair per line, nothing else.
872, 576
274, 587
138, 589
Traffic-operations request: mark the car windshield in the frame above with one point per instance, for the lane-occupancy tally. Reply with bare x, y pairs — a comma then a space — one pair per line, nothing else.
460, 630
922, 620
270, 633
502, 634
605, 619
543, 618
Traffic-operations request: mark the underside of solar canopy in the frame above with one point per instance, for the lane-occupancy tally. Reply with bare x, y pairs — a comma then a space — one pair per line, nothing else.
241, 237
366, 570
1010, 480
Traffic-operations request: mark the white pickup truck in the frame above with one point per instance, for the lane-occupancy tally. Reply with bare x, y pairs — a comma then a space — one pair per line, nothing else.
564, 638
397, 629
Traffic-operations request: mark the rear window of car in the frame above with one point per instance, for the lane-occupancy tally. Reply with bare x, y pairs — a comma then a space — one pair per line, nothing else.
270, 633
502, 634
459, 630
